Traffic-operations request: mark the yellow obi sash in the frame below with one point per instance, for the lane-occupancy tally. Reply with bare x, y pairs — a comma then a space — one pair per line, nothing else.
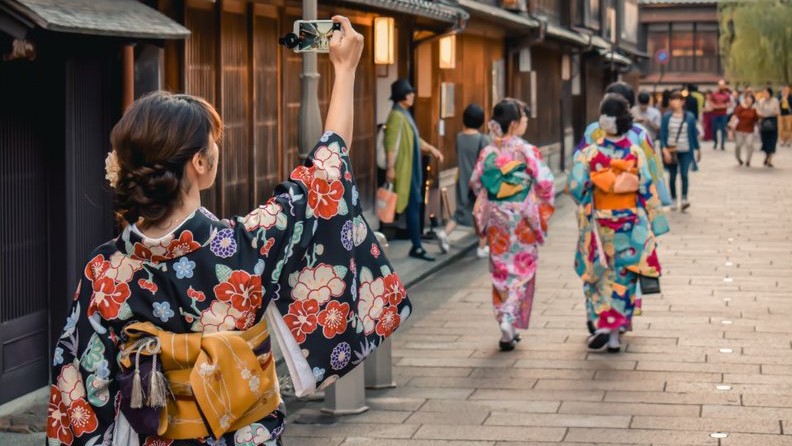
215, 377
605, 180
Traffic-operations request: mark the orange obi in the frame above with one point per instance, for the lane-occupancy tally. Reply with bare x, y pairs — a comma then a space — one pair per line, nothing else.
215, 377
609, 182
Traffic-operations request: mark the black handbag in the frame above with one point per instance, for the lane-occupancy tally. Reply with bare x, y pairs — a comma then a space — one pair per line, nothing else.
769, 124
649, 285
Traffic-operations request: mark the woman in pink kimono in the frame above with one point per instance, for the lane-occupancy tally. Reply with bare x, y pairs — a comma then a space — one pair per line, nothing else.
515, 195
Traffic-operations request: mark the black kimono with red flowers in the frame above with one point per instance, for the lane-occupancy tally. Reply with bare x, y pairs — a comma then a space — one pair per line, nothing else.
308, 250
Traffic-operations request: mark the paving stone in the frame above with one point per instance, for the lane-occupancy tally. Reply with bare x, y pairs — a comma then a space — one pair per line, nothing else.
486, 406
706, 424
452, 418
558, 420
361, 441
591, 408
630, 436
497, 433
711, 397
537, 395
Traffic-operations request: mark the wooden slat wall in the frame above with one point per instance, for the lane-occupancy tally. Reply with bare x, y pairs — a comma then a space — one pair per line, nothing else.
235, 152
266, 141
472, 79
200, 59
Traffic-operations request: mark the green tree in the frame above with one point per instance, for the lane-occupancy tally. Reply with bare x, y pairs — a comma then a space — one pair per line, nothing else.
756, 40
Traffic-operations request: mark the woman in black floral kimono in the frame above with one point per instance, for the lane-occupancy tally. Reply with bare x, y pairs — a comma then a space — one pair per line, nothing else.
167, 341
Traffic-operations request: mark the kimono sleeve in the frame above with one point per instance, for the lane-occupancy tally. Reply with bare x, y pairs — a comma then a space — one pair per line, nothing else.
83, 394
337, 293
579, 183
648, 197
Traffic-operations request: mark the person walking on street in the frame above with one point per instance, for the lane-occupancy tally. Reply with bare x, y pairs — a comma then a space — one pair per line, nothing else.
403, 146
167, 340
515, 195
617, 205
469, 143
720, 100
679, 142
785, 102
647, 116
746, 117
638, 135
769, 110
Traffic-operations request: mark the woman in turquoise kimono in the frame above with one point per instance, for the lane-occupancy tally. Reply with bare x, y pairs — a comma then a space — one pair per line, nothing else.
617, 217
167, 340
514, 202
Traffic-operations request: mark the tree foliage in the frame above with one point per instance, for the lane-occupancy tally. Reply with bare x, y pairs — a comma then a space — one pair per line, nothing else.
756, 40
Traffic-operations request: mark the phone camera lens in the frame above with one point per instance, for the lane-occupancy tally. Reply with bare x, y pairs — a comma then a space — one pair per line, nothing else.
289, 40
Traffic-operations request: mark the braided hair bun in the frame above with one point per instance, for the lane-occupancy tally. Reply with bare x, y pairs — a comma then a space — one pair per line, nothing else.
154, 140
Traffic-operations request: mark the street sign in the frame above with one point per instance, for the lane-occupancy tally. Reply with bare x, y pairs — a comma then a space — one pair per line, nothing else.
662, 57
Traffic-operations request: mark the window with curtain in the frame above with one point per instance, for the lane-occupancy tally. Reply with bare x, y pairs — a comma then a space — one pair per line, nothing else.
630, 21
656, 39
683, 50
707, 47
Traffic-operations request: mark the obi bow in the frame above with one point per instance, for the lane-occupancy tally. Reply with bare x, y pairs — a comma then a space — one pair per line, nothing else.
616, 185
220, 382
508, 182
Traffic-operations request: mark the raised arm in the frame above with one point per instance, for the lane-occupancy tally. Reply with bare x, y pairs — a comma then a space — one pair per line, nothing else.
345, 50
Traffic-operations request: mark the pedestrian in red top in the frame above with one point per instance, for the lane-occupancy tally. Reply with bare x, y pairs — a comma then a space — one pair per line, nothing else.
720, 101
747, 117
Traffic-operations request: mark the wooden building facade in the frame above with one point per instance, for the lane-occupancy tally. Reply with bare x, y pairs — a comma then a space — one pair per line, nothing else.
60, 102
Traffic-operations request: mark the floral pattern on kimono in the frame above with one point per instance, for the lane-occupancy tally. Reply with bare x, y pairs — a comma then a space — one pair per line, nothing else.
626, 235
639, 137
308, 250
514, 227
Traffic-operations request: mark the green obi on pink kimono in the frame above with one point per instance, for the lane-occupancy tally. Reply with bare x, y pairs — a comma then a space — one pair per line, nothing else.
505, 180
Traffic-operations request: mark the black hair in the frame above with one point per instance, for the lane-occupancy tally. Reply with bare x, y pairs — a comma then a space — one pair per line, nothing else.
616, 106
676, 94
666, 96
643, 98
624, 89
507, 111
769, 90
473, 116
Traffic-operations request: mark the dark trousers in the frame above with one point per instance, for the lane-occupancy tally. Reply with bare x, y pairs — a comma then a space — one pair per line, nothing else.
682, 166
413, 217
719, 123
769, 137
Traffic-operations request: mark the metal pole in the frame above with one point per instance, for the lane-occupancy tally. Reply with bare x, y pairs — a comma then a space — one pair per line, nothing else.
310, 119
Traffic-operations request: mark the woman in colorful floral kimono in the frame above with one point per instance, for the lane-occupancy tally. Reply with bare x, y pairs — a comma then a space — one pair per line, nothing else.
167, 341
515, 195
617, 217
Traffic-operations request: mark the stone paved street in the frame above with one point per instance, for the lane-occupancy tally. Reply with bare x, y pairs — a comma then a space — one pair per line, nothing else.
712, 354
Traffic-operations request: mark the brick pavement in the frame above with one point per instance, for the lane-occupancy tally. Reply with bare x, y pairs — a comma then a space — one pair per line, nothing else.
712, 354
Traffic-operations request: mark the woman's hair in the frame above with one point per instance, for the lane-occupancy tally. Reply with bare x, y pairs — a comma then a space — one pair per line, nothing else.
769, 90
623, 89
676, 94
158, 134
616, 106
507, 111
751, 97
473, 116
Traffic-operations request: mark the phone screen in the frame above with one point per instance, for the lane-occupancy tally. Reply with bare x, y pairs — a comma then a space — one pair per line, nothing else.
314, 35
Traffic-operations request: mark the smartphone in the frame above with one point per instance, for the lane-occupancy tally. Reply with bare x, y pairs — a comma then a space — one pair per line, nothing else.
311, 36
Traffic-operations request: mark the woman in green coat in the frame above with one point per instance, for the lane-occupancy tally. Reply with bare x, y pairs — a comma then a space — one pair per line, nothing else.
404, 145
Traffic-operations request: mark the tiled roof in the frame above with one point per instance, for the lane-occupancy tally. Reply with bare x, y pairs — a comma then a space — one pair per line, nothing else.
120, 18
436, 10
499, 14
